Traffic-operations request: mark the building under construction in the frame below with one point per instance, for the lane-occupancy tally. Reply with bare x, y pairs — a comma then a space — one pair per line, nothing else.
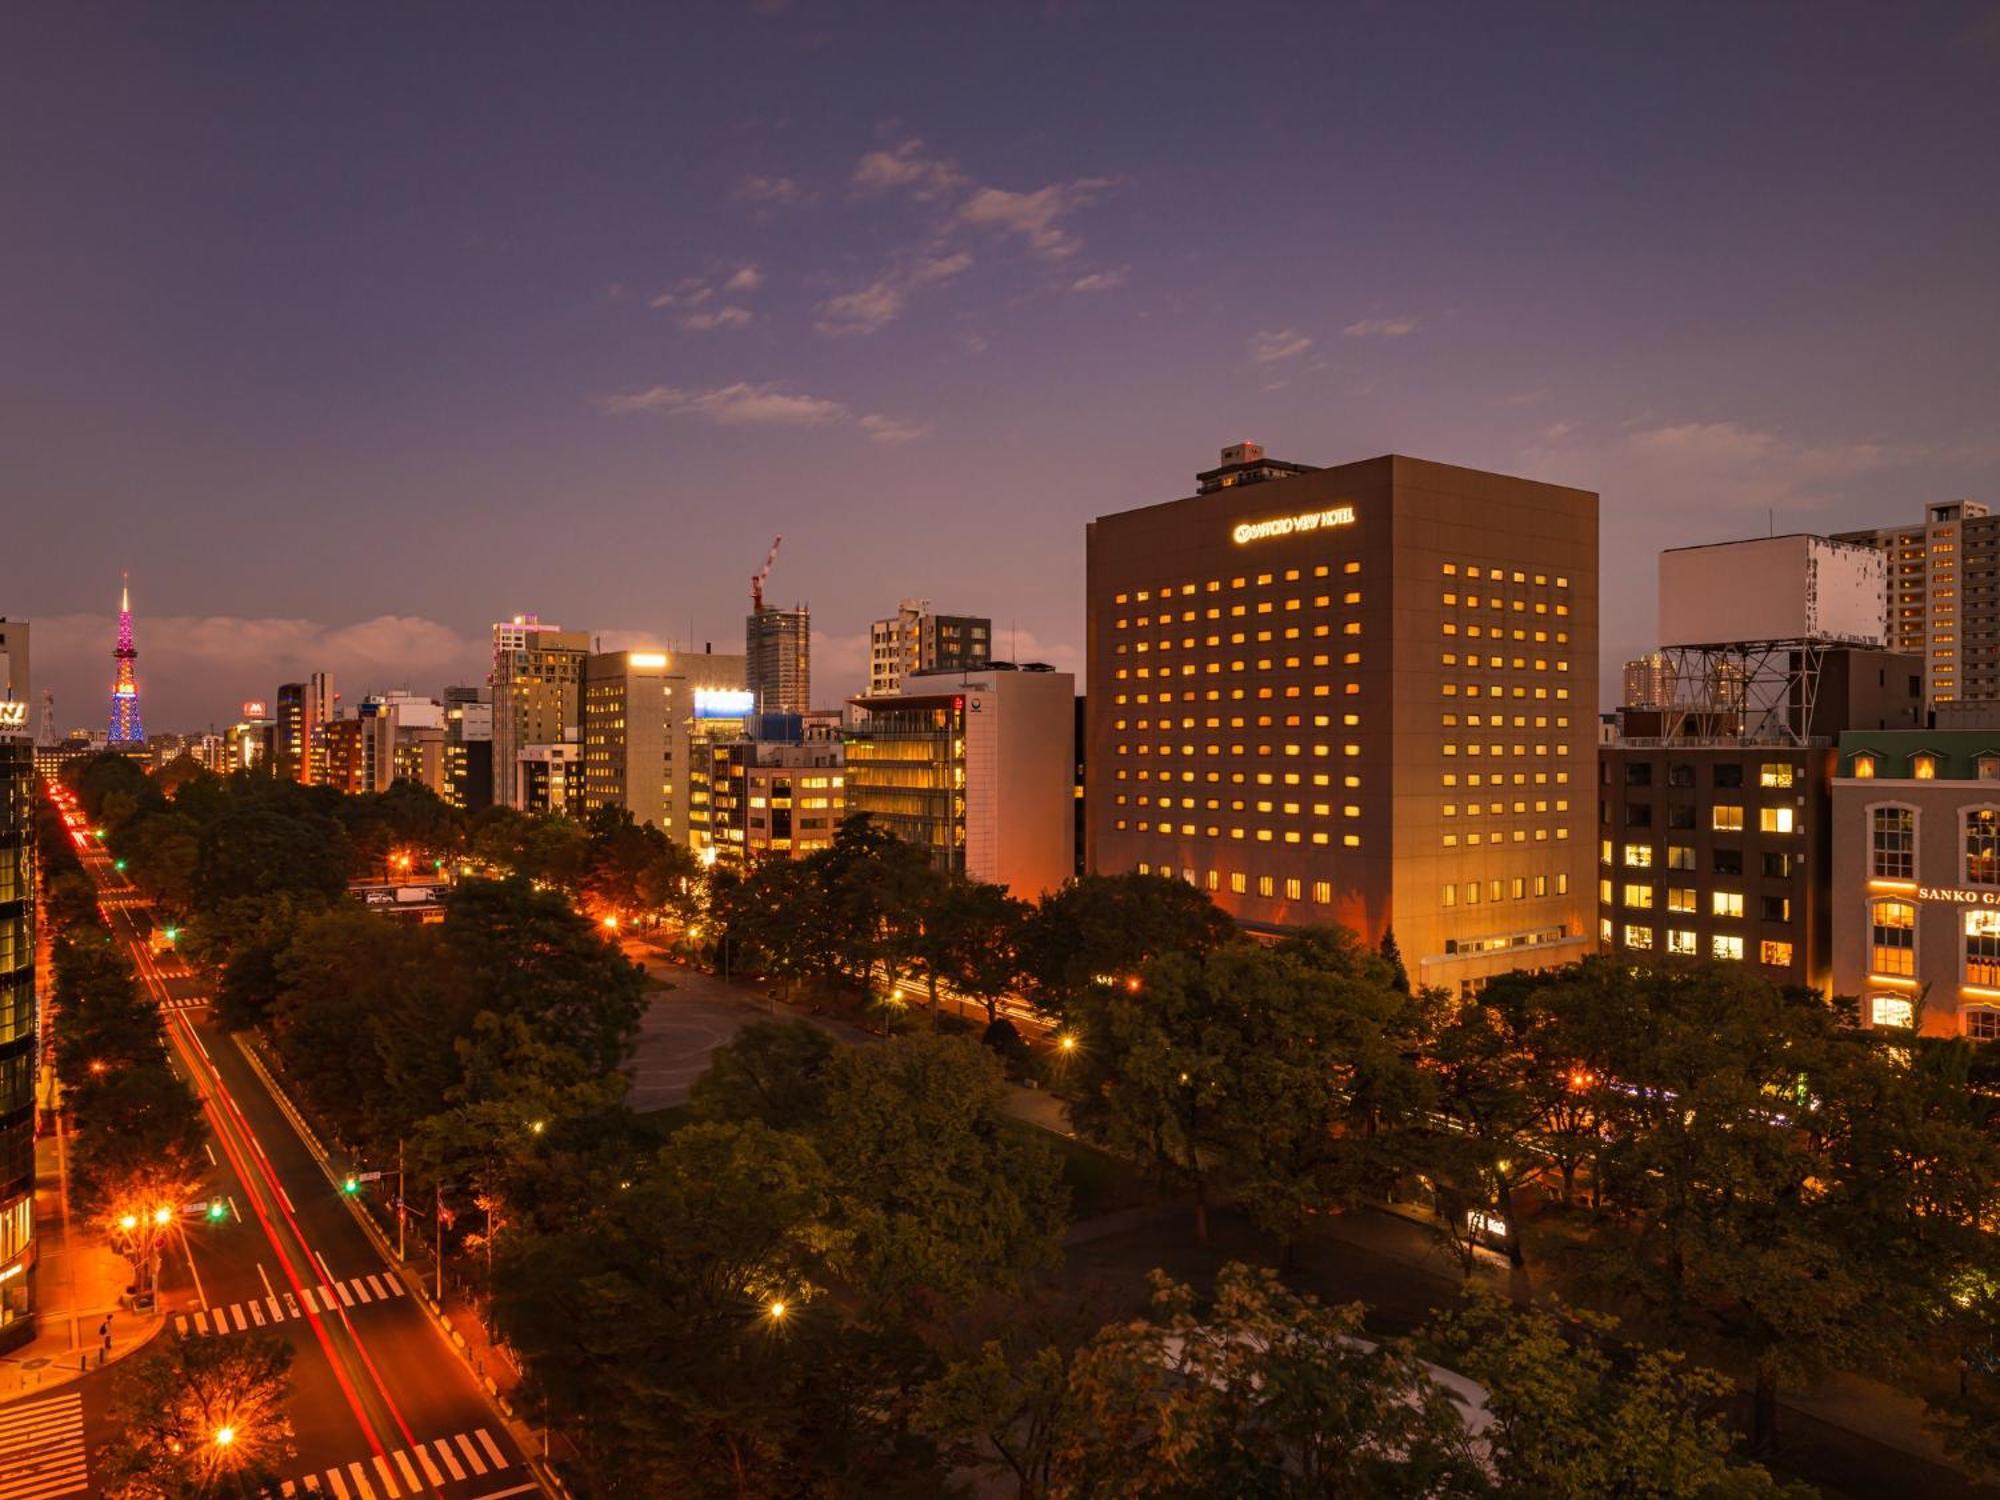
777, 649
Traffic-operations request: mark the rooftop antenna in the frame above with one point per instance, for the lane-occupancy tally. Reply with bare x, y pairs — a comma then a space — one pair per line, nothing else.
757, 578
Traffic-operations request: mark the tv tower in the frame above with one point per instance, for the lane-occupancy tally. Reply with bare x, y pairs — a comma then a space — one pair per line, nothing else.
125, 726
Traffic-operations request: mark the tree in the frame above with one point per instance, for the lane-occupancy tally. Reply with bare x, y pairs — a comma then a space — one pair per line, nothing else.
1267, 1393
161, 853
526, 952
1154, 1065
678, 1330
772, 1071
200, 1417
1570, 1422
254, 851
968, 940
939, 1198
1101, 928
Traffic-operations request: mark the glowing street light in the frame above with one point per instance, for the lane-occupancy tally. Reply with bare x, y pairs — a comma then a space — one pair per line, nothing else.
1066, 1043
777, 1311
224, 1436
128, 1222
163, 1215
611, 924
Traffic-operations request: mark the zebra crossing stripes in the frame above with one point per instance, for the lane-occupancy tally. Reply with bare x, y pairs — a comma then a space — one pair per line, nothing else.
261, 1312
41, 1449
188, 1002
408, 1471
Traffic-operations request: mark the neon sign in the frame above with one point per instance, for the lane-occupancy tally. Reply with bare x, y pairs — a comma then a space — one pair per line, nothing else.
1311, 520
13, 715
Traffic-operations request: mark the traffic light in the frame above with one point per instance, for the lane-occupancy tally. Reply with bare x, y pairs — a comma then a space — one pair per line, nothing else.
350, 1184
173, 934
217, 1210
118, 865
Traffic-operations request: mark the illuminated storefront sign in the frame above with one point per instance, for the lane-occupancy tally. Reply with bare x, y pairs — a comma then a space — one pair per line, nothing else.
254, 709
13, 715
1311, 520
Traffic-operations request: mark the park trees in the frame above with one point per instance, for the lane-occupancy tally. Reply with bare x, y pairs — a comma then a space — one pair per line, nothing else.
1102, 930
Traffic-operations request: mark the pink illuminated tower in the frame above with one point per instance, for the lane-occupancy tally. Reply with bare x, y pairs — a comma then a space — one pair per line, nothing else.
125, 726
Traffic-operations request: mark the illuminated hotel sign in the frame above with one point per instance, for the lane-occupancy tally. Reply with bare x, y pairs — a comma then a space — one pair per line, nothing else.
1963, 898
13, 715
1311, 520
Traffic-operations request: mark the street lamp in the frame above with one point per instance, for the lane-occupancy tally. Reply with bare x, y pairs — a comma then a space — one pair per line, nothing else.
777, 1312
1066, 1043
224, 1436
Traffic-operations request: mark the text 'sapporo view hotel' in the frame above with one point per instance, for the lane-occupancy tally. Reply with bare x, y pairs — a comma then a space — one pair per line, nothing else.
1363, 695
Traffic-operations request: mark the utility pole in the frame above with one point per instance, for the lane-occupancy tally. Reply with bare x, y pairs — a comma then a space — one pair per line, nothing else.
440, 1244
402, 1211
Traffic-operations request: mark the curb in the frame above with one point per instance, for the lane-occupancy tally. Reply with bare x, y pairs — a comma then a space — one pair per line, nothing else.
523, 1436
54, 1375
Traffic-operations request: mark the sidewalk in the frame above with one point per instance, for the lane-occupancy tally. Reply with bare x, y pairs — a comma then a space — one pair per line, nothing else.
78, 1281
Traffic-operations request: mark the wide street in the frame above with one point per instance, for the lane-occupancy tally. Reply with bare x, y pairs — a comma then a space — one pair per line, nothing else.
383, 1405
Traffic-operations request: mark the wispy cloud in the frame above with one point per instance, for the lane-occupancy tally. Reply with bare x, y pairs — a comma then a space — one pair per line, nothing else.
722, 317
883, 429
1037, 216
1101, 281
765, 404
779, 192
745, 278
1381, 328
871, 308
738, 405
906, 167
1286, 343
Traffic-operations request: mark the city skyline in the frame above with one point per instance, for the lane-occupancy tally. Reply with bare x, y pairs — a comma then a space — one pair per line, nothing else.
352, 354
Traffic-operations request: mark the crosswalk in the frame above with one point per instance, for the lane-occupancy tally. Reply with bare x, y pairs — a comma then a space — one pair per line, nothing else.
422, 1470
41, 1449
261, 1312
188, 1002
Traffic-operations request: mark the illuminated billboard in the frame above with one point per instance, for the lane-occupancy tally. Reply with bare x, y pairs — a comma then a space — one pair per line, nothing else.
724, 703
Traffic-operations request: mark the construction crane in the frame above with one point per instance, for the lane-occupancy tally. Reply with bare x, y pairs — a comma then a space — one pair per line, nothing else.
757, 578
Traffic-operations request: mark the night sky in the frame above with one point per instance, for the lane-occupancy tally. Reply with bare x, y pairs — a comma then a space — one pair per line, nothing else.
350, 328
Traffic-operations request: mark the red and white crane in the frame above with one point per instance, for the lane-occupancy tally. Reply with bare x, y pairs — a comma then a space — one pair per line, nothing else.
757, 578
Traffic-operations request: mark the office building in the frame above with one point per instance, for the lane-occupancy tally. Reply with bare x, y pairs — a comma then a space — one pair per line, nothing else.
19, 1016
550, 777
13, 660
978, 767
537, 697
319, 707
638, 712
770, 798
288, 730
777, 650
340, 757
1362, 695
916, 640
468, 747
1715, 813
1649, 682
251, 743
1943, 597
1916, 878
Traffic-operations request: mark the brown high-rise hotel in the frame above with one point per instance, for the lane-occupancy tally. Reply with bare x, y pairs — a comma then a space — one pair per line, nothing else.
1363, 695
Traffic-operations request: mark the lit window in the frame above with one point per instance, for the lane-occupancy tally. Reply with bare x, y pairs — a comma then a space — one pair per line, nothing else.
1892, 937
1639, 897
1681, 941
1775, 773
1639, 856
1982, 947
1726, 947
1982, 846
1680, 898
1891, 1010
1725, 819
1892, 851
1775, 953
1924, 767
1774, 819
1864, 767
1638, 937
1726, 903
1982, 1024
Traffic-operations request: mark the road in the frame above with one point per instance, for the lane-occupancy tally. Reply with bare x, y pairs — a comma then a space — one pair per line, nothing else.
383, 1405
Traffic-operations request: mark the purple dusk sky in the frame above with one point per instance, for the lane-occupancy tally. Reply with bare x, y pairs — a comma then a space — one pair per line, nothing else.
352, 328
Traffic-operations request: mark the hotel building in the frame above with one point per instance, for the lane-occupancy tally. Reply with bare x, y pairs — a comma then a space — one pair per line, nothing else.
1362, 695
1944, 597
978, 767
1916, 879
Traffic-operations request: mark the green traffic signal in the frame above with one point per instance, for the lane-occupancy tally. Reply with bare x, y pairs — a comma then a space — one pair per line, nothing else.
217, 1210
173, 934
118, 865
350, 1184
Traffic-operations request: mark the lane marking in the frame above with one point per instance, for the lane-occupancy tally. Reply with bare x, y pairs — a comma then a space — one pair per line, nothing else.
486, 1442
471, 1453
